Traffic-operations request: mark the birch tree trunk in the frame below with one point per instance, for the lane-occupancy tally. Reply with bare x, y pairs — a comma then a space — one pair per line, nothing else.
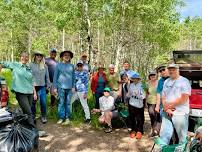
63, 39
89, 38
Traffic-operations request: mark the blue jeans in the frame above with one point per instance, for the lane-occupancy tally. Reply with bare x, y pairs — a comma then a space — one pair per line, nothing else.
41, 93
65, 96
180, 122
97, 97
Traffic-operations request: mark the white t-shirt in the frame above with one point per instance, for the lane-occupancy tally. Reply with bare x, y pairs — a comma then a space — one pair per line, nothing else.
106, 103
136, 95
173, 89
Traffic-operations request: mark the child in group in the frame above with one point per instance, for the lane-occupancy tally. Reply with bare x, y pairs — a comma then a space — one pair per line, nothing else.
107, 109
81, 80
136, 107
64, 84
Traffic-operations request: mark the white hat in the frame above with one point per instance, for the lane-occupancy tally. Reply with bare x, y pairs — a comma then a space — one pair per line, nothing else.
173, 66
79, 62
111, 66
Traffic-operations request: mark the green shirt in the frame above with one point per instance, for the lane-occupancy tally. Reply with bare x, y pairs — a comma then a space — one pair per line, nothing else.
22, 77
113, 81
151, 99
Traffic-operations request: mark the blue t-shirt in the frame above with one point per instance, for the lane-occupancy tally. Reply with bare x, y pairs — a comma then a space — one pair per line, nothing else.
160, 85
101, 84
128, 72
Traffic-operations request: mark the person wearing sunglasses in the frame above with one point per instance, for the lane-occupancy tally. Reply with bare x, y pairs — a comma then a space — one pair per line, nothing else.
107, 109
41, 82
162, 70
81, 86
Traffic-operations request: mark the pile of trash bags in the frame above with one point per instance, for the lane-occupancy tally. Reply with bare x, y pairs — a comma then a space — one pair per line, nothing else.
16, 133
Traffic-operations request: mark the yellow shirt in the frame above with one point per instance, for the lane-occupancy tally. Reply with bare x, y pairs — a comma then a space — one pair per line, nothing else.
151, 99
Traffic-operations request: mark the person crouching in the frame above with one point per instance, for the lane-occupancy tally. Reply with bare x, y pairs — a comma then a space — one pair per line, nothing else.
107, 109
136, 108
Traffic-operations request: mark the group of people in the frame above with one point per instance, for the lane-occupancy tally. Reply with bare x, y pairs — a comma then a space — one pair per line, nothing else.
167, 98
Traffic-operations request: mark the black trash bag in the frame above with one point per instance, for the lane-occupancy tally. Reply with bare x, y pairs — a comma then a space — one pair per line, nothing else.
18, 136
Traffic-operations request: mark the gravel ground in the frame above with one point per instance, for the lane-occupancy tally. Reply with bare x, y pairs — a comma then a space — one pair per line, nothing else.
86, 139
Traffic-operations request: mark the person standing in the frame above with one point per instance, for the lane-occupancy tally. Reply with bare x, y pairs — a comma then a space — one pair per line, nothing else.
81, 80
175, 100
98, 83
64, 86
51, 63
113, 81
23, 84
151, 103
86, 66
164, 75
41, 83
127, 70
136, 107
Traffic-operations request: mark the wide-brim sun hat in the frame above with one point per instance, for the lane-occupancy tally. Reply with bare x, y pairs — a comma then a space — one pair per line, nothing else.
71, 54
101, 66
152, 73
38, 53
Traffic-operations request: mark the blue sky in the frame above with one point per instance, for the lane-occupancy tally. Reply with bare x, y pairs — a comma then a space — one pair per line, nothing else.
193, 8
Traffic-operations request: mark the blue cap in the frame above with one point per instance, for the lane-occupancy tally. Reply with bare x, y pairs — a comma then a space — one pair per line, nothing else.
135, 76
53, 50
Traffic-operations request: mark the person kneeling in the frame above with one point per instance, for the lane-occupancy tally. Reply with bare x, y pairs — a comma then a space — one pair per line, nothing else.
107, 110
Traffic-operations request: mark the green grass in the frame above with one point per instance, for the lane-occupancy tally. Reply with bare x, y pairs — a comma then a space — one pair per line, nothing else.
77, 116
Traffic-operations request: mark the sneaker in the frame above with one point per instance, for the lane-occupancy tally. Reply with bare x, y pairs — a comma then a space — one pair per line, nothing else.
59, 121
87, 121
139, 135
43, 120
153, 134
108, 129
132, 134
66, 122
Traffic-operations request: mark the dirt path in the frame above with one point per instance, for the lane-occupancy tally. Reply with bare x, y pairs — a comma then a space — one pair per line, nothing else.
85, 139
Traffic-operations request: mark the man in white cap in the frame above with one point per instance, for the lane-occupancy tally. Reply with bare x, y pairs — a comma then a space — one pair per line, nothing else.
113, 79
81, 86
175, 99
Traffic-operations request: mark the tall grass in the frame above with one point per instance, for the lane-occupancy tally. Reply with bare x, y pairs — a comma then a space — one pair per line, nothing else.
77, 115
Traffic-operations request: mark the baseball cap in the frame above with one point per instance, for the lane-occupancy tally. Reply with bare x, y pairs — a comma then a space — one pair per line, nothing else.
161, 67
53, 50
135, 76
107, 89
79, 62
173, 66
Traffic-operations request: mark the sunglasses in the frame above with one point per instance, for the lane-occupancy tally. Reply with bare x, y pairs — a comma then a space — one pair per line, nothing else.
79, 65
162, 70
106, 91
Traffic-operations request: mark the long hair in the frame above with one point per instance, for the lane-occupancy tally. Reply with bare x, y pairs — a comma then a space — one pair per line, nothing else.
41, 64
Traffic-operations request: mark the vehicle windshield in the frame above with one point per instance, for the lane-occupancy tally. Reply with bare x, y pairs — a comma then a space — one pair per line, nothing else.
188, 57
